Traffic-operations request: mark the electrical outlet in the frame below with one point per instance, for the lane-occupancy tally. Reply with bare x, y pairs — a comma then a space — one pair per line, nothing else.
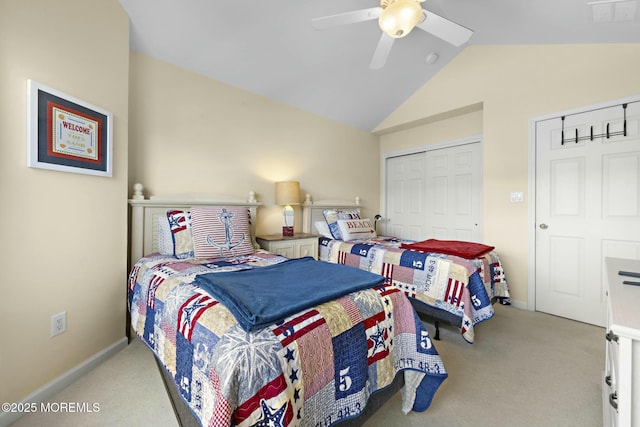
58, 323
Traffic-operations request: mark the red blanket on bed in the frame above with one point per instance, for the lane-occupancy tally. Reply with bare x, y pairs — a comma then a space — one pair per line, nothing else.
468, 250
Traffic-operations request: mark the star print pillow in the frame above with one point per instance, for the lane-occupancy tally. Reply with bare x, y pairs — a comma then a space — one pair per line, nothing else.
221, 232
180, 230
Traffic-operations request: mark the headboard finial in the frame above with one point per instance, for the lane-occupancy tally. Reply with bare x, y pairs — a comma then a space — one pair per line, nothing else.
357, 200
307, 199
252, 197
137, 191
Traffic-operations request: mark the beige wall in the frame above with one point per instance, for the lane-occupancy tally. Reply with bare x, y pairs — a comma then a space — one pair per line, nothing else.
446, 128
64, 234
512, 84
190, 133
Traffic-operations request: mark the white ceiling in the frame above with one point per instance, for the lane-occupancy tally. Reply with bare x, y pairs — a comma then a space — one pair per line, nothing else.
270, 48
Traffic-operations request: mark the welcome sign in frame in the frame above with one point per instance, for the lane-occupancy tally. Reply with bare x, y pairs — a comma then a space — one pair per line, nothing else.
67, 134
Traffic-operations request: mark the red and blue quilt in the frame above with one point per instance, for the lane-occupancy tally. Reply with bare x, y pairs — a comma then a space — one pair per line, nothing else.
462, 288
316, 367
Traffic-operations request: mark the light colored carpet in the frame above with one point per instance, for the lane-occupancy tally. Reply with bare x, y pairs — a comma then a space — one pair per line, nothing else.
525, 369
127, 388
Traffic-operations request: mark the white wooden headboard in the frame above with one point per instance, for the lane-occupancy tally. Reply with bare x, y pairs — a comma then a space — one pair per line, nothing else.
312, 211
145, 214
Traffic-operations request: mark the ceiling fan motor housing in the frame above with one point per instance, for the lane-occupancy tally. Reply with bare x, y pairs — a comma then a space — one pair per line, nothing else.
399, 17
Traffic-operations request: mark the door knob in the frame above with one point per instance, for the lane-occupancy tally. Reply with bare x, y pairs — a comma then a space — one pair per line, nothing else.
544, 226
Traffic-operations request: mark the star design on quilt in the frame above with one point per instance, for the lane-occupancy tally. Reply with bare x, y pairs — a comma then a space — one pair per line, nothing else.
188, 311
271, 417
174, 222
296, 394
289, 354
294, 375
378, 339
287, 329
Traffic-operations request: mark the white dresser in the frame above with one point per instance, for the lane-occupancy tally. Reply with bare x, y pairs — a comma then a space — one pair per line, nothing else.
621, 378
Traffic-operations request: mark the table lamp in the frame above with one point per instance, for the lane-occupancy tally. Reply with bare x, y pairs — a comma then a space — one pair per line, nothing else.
287, 194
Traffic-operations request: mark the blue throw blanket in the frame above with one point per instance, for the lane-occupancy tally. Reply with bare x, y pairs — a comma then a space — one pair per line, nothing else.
263, 296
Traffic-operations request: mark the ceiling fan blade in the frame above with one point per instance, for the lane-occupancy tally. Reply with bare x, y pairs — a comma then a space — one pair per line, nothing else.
444, 29
382, 52
347, 18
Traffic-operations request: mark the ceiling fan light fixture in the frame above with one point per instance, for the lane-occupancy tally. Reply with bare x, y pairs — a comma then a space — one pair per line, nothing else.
400, 17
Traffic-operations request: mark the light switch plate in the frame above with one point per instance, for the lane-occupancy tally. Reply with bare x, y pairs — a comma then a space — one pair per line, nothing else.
517, 197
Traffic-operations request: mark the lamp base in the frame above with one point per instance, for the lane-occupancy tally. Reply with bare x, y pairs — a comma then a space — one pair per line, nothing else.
287, 231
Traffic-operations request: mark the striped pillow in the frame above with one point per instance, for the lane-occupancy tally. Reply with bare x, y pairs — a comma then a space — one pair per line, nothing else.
221, 232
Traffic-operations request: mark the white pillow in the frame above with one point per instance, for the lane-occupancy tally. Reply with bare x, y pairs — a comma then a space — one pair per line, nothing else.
333, 215
165, 238
356, 229
323, 229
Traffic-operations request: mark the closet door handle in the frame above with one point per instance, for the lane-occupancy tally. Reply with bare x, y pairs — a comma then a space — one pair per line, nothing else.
613, 400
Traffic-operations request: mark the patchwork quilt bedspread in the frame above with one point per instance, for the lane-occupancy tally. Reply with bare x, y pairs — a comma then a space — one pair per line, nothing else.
460, 287
314, 368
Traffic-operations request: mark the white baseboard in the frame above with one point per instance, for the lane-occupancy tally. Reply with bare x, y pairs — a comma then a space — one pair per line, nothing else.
45, 392
519, 304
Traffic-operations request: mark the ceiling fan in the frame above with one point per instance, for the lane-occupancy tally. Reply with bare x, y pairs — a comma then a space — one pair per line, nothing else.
396, 19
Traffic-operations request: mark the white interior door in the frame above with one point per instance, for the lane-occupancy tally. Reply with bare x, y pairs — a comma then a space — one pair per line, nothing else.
454, 193
587, 208
405, 213
435, 194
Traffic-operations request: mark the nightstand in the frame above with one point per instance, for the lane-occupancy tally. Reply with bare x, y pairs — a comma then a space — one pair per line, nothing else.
297, 246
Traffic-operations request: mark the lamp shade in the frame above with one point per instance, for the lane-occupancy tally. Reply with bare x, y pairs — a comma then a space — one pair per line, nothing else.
288, 193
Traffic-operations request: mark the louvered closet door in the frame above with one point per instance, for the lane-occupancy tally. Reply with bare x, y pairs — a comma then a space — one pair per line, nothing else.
587, 208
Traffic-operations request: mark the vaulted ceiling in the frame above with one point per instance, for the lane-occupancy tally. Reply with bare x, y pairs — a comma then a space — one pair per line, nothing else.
271, 48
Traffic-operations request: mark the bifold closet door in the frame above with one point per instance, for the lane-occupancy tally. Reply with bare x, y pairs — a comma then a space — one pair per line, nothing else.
435, 194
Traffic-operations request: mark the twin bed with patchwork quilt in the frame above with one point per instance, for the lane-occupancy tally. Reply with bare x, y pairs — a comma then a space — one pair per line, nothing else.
250, 338
452, 281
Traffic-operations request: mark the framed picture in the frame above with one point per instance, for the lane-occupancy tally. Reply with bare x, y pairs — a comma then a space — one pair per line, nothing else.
67, 134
